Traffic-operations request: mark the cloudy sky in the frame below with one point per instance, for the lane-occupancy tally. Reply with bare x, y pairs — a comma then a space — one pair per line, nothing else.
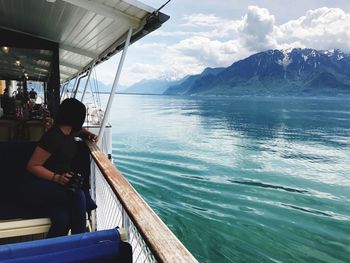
216, 33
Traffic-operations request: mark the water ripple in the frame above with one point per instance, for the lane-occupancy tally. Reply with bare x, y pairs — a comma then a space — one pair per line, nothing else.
318, 212
259, 184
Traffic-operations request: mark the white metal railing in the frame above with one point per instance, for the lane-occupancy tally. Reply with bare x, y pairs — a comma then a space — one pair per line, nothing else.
111, 214
120, 205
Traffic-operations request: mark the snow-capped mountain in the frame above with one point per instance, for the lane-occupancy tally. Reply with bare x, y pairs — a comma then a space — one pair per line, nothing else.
277, 72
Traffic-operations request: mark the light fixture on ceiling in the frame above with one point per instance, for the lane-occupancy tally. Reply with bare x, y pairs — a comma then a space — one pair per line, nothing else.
5, 50
18, 62
51, 1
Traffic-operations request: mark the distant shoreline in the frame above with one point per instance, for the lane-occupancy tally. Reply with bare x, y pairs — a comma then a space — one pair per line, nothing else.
126, 93
338, 96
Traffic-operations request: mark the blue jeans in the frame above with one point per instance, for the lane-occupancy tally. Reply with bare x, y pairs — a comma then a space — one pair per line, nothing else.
67, 210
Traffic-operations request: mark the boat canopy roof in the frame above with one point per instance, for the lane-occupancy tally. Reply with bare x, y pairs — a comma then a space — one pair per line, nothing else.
85, 33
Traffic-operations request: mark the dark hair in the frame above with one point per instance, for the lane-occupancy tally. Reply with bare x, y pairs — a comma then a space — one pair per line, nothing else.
71, 112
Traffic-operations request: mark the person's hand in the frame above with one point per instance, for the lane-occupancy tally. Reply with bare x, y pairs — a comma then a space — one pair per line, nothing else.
63, 179
85, 134
91, 137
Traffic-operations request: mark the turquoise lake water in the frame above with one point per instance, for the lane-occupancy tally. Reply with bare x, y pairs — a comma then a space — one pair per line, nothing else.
242, 179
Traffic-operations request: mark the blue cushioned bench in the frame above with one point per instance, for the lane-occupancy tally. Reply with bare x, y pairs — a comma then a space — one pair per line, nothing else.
101, 246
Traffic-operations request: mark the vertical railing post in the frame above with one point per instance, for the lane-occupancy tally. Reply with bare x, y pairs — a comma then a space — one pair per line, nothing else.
93, 194
77, 86
126, 222
75, 83
87, 81
114, 87
63, 88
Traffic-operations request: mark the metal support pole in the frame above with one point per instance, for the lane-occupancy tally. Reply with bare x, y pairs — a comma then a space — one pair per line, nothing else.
63, 88
76, 89
87, 81
75, 83
114, 87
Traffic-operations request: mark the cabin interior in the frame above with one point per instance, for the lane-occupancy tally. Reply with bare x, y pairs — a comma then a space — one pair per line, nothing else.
27, 102
30, 77
29, 95
27, 64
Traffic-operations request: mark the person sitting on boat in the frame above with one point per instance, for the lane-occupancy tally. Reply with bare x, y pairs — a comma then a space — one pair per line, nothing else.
51, 162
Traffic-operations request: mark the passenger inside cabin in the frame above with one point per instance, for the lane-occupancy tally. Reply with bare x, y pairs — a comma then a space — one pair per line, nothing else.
32, 94
54, 188
32, 97
19, 96
7, 103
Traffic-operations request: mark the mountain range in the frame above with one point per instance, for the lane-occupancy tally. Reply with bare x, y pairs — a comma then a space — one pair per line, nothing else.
185, 85
272, 72
151, 86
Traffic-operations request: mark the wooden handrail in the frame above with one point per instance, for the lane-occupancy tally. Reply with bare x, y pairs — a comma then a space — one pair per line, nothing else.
161, 241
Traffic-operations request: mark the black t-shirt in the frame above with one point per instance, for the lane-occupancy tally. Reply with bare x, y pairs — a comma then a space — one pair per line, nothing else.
62, 149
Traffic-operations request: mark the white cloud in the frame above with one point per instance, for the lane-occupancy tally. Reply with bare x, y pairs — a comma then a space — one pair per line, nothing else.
189, 56
140, 68
172, 71
215, 41
106, 71
322, 28
211, 25
201, 20
150, 46
206, 51
257, 28
162, 33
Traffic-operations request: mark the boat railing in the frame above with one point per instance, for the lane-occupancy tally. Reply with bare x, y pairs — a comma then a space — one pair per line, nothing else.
120, 205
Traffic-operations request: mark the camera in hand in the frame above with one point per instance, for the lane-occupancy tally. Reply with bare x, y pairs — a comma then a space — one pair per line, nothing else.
75, 182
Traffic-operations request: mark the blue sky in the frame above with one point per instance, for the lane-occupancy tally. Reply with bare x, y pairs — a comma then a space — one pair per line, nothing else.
213, 33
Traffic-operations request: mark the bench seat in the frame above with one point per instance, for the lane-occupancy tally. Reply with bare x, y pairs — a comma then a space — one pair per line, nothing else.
24, 227
101, 246
17, 219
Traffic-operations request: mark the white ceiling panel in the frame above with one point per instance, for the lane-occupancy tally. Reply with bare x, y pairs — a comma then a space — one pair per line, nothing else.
84, 29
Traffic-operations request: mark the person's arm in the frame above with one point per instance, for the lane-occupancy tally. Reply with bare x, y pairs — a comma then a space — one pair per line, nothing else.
35, 166
85, 134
